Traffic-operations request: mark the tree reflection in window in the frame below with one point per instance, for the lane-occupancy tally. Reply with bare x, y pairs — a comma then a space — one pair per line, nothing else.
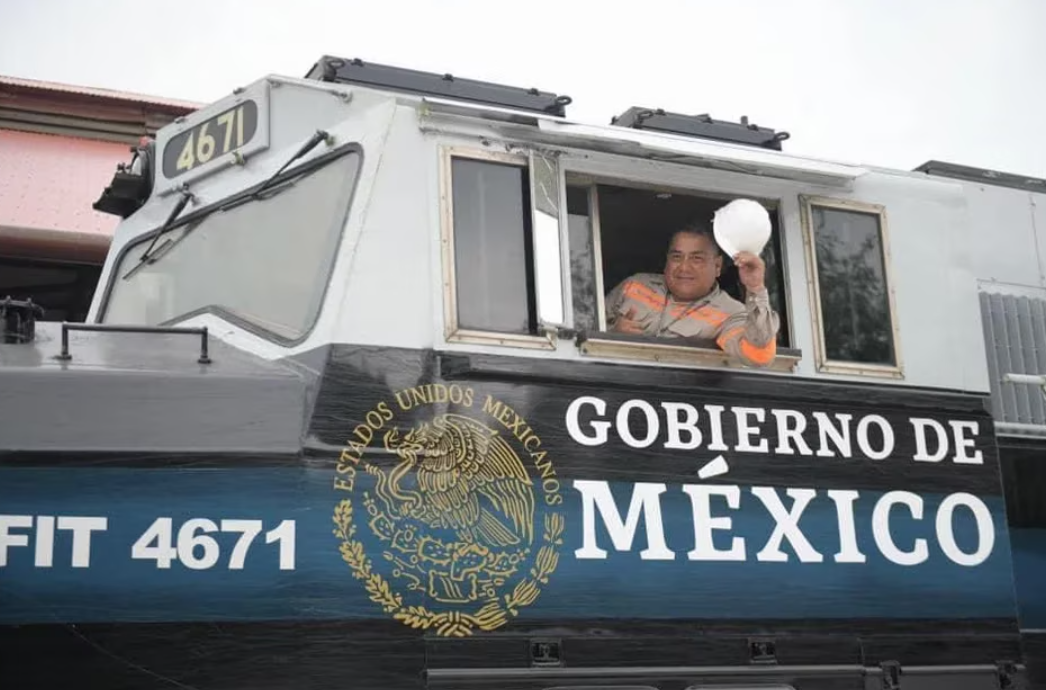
582, 262
851, 276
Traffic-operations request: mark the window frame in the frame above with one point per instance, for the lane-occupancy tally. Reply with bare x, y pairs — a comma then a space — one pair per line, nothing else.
666, 352
344, 210
597, 245
822, 362
593, 345
452, 331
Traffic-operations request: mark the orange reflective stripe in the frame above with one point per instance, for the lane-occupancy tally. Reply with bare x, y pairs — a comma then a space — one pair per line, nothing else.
759, 355
709, 315
645, 291
754, 353
652, 299
723, 339
641, 293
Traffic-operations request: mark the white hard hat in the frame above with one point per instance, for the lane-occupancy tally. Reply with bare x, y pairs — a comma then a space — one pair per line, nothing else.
742, 225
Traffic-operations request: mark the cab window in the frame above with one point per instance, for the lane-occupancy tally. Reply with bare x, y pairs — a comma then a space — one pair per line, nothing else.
263, 263
491, 245
504, 286
502, 267
851, 294
617, 231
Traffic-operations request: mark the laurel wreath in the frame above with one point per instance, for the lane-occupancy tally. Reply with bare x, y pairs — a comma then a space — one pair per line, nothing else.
448, 623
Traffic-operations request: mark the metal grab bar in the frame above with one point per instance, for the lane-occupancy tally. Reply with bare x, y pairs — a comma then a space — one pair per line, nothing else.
115, 328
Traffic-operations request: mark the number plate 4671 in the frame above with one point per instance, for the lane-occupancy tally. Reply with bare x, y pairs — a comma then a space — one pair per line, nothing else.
224, 133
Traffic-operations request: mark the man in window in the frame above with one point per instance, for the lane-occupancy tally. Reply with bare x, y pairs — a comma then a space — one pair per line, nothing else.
685, 301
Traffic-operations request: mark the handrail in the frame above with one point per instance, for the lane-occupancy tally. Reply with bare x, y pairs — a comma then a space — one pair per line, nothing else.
116, 328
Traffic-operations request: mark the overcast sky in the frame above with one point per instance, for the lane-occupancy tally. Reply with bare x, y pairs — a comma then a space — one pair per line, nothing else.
882, 82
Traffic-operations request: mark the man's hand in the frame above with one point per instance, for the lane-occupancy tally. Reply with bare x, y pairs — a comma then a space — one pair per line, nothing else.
626, 323
751, 271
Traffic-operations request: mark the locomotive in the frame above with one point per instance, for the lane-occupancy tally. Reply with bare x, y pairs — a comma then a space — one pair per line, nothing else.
348, 410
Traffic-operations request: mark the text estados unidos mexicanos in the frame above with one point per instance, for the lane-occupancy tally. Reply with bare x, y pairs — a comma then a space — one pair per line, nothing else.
685, 428
191, 546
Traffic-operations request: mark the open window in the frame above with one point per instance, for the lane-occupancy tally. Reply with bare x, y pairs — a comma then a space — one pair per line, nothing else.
851, 293
509, 281
618, 230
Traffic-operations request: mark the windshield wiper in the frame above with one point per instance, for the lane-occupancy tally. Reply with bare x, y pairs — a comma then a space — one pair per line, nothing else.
146, 256
313, 142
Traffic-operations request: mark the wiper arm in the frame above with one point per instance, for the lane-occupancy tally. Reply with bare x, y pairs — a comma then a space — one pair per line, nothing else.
146, 256
313, 142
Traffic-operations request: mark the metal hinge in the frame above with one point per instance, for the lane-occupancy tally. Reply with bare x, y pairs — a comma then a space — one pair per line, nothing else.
1030, 379
891, 675
762, 651
1006, 672
546, 652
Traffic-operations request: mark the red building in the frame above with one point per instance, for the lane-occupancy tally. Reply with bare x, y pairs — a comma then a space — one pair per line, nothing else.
59, 148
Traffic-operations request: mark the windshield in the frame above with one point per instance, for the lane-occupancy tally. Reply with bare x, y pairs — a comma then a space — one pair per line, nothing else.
265, 261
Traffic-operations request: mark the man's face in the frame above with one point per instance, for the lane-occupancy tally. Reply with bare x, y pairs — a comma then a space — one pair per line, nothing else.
692, 267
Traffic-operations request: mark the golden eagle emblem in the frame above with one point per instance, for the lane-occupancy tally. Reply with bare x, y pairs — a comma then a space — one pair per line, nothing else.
453, 507
468, 480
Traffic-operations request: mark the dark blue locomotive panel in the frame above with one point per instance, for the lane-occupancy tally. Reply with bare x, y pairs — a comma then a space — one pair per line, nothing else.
462, 497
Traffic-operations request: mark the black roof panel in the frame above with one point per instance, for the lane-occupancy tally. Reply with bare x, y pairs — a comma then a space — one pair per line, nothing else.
356, 71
